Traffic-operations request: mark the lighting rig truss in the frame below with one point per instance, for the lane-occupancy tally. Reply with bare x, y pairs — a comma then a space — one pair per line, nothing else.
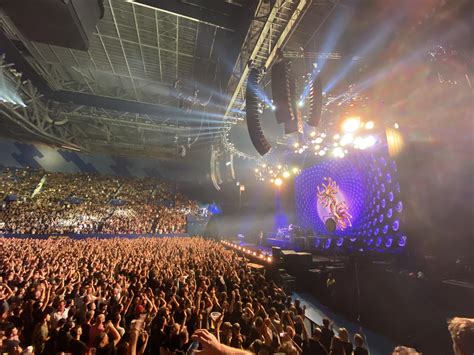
85, 128
22, 104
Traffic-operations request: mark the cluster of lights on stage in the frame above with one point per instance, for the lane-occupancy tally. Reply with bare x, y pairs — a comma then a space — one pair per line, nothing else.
249, 252
353, 134
275, 174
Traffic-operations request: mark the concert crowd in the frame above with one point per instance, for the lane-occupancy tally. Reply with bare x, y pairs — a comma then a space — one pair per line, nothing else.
172, 295
146, 296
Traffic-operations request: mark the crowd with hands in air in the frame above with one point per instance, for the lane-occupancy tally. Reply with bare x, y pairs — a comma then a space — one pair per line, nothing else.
142, 296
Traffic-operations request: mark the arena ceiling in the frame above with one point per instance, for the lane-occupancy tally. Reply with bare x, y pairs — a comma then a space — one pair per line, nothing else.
134, 90
161, 77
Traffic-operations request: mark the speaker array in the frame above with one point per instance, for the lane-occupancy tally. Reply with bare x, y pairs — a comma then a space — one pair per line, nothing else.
252, 116
295, 124
284, 94
315, 102
282, 91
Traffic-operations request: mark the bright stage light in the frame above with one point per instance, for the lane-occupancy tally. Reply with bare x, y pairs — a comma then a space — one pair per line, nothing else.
286, 174
370, 125
300, 151
318, 140
336, 136
278, 182
346, 139
271, 171
273, 107
364, 143
256, 170
338, 152
300, 103
312, 134
396, 125
351, 124
317, 147
323, 135
322, 153
296, 145
295, 170
272, 181
370, 141
279, 167
264, 166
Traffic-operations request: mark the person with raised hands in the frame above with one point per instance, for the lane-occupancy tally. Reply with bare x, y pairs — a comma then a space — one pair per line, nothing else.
211, 346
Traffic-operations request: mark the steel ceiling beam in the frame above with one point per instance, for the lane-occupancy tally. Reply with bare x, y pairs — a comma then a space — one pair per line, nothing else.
123, 50
14, 55
158, 45
224, 17
81, 117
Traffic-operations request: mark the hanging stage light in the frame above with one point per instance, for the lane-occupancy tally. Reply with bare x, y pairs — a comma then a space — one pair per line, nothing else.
351, 124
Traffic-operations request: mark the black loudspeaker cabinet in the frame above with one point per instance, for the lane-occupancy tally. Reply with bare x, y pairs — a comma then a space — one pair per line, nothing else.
297, 263
310, 242
65, 23
300, 243
304, 260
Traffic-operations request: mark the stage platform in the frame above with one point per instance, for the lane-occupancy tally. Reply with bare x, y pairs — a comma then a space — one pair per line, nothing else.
282, 243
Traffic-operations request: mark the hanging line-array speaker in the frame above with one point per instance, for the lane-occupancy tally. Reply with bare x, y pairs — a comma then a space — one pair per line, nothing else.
252, 116
315, 102
281, 81
296, 123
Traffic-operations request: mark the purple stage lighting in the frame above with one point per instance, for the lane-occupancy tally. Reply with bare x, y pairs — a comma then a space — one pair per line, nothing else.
363, 187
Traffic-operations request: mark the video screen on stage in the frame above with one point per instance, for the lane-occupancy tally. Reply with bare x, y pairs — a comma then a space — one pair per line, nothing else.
355, 199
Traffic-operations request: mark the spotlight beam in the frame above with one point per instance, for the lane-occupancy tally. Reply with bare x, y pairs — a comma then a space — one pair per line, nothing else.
371, 45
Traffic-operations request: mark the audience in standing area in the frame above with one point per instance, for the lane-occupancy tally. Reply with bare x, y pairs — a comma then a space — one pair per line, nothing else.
148, 296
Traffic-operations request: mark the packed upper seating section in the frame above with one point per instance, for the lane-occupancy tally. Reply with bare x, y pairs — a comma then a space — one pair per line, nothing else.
39, 202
